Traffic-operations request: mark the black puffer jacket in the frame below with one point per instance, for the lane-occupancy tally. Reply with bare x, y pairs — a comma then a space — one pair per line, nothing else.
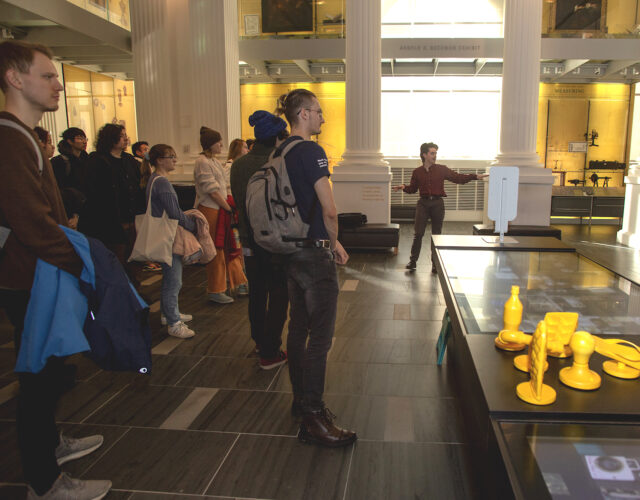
70, 172
114, 197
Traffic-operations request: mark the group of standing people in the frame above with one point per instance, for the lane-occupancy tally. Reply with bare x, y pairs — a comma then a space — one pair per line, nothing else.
112, 183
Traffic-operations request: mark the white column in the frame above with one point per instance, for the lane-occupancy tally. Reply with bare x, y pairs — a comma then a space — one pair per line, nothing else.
361, 181
185, 56
630, 233
518, 128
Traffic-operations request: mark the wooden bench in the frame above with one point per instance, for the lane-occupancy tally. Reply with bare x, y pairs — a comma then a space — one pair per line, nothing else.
372, 236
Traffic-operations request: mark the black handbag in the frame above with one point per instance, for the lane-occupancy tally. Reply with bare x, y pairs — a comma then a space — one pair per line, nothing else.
351, 220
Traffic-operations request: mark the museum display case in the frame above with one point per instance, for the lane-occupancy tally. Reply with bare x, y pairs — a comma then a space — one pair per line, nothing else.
477, 274
579, 461
94, 99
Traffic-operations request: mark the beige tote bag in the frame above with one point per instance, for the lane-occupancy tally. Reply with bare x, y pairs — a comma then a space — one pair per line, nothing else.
155, 235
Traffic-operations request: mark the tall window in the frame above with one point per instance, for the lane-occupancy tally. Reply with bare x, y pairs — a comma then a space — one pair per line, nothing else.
460, 114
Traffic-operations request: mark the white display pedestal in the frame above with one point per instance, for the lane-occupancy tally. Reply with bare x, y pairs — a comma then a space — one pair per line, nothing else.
630, 233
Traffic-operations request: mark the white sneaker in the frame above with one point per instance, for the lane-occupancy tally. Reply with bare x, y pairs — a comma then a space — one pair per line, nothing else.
68, 488
70, 448
181, 331
183, 317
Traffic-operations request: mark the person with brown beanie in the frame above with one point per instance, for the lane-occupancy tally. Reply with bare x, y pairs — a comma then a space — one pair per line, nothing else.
211, 197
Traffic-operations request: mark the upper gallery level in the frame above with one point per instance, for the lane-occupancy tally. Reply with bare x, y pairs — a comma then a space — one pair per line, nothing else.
304, 40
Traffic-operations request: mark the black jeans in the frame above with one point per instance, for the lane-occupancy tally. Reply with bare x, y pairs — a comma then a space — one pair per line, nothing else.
425, 210
268, 300
38, 435
313, 293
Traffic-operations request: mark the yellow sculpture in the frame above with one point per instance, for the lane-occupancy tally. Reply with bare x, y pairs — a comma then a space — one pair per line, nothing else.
535, 391
512, 318
579, 375
560, 327
521, 362
626, 355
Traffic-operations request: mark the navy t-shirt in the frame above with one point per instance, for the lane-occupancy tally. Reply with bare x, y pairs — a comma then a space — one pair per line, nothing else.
306, 163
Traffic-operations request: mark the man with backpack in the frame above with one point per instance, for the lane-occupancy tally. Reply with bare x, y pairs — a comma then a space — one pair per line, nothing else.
268, 297
311, 271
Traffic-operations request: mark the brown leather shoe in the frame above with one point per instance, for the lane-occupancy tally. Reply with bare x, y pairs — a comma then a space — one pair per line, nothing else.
317, 427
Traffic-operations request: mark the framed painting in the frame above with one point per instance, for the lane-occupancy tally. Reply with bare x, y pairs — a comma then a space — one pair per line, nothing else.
579, 16
287, 16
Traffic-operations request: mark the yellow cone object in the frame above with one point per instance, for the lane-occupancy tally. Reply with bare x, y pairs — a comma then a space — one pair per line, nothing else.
579, 375
535, 391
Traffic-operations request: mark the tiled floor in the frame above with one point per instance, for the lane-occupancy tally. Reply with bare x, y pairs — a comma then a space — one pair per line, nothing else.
209, 423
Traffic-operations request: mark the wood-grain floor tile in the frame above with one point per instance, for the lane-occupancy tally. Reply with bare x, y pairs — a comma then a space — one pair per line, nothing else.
184, 415
408, 380
388, 329
167, 496
341, 378
228, 373
158, 460
402, 311
410, 470
252, 412
282, 468
143, 406
167, 370
213, 344
359, 350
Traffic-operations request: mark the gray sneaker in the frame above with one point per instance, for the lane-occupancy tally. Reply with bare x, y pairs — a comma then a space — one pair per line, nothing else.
220, 298
67, 488
70, 448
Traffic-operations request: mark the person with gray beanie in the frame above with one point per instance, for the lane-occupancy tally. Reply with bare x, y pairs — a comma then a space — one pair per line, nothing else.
268, 297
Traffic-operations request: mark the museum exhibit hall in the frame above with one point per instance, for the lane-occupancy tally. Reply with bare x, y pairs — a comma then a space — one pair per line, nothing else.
480, 228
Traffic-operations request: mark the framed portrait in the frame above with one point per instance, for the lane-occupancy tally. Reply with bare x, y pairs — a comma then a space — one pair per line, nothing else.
286, 16
251, 24
579, 16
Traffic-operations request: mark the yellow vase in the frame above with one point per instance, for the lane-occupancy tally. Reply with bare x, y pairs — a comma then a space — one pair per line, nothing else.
513, 311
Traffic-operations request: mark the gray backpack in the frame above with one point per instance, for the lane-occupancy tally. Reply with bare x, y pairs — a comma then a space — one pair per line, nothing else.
271, 206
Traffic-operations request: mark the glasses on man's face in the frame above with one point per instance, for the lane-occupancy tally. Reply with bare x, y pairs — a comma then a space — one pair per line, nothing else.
319, 111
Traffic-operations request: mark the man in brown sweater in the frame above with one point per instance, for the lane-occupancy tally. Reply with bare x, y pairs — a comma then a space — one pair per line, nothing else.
429, 179
30, 210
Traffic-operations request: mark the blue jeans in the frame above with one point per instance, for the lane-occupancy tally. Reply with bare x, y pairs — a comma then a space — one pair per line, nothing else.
171, 285
313, 296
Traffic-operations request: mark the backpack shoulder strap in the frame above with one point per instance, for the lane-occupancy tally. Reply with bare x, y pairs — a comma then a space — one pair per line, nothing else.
14, 125
283, 151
